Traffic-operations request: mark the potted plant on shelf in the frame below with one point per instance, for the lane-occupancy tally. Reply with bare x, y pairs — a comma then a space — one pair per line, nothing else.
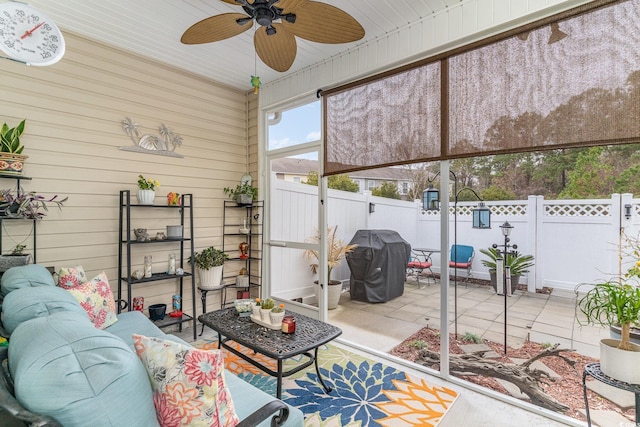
244, 194
337, 250
26, 205
519, 264
11, 149
209, 265
15, 258
616, 302
146, 190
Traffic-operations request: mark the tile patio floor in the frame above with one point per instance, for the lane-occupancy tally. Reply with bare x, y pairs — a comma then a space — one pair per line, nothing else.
544, 318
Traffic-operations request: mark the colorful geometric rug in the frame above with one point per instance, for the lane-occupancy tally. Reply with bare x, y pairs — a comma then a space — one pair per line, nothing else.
365, 393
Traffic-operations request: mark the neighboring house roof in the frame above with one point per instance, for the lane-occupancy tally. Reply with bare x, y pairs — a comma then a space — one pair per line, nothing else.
294, 166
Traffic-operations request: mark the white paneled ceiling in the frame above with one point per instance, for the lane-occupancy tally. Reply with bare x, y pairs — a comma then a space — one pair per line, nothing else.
152, 28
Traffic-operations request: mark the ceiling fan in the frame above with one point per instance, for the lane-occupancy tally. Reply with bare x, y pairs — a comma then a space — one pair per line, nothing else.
280, 21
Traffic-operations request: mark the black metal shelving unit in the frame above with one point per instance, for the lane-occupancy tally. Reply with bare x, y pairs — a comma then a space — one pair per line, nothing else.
231, 239
127, 244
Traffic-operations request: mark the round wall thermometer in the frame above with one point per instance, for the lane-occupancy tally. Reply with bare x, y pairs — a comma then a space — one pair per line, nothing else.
28, 35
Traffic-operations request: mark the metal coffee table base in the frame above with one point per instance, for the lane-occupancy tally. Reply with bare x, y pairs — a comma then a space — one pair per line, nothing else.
279, 374
310, 334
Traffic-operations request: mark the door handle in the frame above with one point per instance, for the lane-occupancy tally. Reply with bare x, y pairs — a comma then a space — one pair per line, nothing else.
280, 244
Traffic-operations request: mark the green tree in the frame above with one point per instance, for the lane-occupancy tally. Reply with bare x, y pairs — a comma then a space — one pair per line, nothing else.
337, 182
388, 190
497, 193
592, 176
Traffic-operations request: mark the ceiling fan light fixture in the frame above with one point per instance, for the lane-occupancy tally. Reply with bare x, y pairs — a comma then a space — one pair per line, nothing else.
264, 16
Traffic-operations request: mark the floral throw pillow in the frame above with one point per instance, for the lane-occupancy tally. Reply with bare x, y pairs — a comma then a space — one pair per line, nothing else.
188, 384
69, 277
96, 298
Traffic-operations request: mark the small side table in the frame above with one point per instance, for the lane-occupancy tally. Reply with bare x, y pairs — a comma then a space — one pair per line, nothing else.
593, 369
203, 298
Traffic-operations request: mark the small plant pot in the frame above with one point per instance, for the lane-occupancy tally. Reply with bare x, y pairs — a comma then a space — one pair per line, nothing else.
515, 281
157, 311
243, 200
264, 314
8, 261
174, 231
11, 163
276, 318
620, 364
255, 311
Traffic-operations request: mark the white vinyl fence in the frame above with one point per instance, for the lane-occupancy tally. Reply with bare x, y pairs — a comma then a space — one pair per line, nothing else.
573, 241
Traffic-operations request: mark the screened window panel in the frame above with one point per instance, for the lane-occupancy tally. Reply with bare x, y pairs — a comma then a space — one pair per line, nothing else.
525, 92
574, 82
384, 122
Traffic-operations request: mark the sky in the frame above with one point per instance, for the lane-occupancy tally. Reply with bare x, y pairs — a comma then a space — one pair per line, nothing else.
298, 125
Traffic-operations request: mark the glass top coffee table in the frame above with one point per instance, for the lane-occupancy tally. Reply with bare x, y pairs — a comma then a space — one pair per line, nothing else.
310, 334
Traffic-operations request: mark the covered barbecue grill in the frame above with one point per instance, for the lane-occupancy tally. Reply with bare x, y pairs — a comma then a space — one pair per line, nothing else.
378, 265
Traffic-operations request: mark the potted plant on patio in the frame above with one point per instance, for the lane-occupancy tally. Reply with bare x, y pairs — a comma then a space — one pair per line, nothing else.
244, 194
616, 302
518, 263
209, 263
337, 250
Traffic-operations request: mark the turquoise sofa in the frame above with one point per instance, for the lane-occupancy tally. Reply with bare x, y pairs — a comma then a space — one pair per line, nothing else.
62, 371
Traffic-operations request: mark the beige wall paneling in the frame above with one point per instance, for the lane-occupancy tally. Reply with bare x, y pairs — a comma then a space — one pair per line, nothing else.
73, 131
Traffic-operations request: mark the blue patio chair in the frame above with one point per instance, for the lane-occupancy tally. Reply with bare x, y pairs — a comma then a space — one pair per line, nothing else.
417, 266
461, 257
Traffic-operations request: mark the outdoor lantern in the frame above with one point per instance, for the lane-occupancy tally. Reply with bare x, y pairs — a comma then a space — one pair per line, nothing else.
506, 228
481, 216
431, 199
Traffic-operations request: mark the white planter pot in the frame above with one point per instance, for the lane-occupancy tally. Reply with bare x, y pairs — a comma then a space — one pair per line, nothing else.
210, 279
145, 197
276, 318
335, 290
264, 314
620, 364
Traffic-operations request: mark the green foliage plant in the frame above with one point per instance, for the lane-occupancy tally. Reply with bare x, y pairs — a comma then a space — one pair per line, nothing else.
388, 190
28, 205
419, 344
337, 182
615, 301
278, 309
10, 138
268, 304
147, 183
518, 263
471, 337
244, 188
209, 258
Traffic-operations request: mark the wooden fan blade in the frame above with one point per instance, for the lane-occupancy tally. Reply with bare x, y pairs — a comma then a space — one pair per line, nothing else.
278, 50
233, 2
289, 6
323, 23
215, 28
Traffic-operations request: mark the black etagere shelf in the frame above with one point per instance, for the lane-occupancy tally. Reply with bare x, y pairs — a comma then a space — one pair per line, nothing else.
129, 211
